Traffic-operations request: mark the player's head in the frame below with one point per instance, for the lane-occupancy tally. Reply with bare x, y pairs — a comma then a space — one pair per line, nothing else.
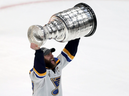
48, 57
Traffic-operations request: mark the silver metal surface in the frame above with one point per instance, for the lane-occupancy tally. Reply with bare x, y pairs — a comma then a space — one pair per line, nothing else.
67, 25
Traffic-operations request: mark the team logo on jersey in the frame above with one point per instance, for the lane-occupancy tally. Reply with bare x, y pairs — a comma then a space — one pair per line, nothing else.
56, 82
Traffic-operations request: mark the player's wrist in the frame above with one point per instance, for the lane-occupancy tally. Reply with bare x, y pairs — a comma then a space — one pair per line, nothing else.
34, 46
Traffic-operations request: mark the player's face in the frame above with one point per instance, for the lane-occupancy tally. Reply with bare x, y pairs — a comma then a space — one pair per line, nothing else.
50, 61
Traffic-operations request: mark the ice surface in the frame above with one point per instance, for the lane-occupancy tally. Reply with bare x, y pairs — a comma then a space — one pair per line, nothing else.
101, 66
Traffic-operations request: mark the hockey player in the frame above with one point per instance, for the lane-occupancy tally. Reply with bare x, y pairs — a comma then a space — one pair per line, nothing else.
46, 72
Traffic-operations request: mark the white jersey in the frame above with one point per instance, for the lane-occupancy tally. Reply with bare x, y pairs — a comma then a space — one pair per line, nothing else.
50, 85
49, 82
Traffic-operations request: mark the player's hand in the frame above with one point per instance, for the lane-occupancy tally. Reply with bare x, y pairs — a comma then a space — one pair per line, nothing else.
34, 46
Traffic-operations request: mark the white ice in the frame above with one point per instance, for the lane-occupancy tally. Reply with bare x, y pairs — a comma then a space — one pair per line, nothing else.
101, 66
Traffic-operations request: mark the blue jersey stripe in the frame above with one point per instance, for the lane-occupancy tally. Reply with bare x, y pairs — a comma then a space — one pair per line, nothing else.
39, 76
57, 60
66, 56
36, 74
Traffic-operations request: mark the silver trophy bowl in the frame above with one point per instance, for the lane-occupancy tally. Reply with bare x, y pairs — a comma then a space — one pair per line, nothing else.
76, 22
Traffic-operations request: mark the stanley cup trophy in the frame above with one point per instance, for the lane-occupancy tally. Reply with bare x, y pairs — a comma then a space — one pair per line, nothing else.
76, 22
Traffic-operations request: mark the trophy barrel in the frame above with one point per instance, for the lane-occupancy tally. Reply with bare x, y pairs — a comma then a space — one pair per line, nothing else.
92, 18
80, 21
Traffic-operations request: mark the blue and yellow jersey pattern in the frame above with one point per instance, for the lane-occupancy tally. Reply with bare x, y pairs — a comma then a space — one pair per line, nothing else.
69, 57
70, 50
37, 74
57, 60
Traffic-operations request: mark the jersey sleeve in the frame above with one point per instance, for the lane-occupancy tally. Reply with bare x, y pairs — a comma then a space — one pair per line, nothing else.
38, 71
69, 52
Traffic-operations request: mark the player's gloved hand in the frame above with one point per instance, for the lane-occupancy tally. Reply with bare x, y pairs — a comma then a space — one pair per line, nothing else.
34, 46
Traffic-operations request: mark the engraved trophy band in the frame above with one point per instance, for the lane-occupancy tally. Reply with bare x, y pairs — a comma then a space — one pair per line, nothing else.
76, 22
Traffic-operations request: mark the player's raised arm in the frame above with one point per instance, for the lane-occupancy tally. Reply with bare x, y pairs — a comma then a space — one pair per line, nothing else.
39, 64
71, 48
69, 52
